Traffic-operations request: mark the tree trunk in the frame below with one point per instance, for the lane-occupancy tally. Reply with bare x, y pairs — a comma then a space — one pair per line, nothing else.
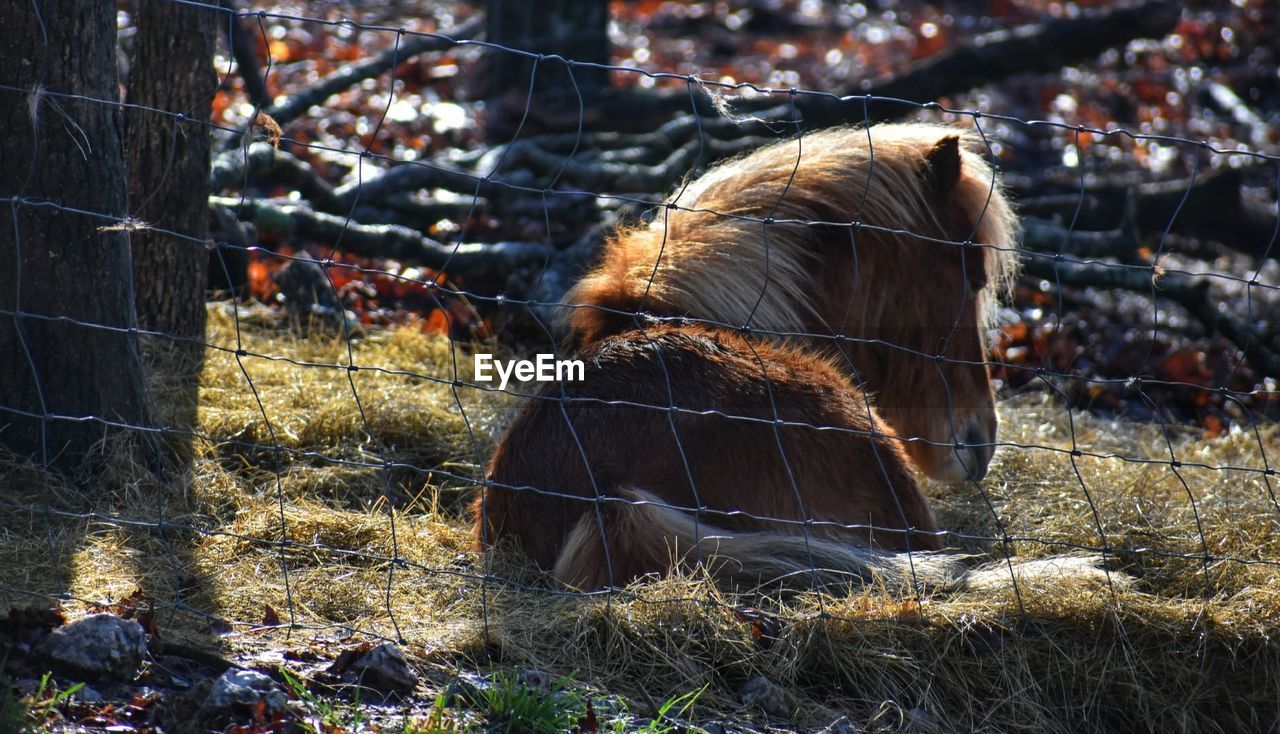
168, 166
577, 30
62, 381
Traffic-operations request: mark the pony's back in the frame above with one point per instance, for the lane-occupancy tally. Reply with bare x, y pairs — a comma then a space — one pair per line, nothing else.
744, 244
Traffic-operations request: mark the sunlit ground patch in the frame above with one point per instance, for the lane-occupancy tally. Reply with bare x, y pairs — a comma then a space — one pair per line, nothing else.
355, 524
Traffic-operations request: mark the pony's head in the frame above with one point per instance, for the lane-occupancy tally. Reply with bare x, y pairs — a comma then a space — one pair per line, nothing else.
894, 243
918, 293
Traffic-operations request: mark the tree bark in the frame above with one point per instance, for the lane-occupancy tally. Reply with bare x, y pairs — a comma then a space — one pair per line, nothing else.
60, 156
576, 30
168, 163
168, 186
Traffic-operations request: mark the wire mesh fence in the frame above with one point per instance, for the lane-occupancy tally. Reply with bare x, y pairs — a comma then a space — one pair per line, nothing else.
778, 372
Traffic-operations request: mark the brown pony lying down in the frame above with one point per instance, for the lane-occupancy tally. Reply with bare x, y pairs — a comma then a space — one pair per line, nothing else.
755, 456
897, 278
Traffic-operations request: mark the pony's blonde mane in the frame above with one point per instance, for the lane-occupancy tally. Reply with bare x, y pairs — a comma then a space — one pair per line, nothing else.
706, 253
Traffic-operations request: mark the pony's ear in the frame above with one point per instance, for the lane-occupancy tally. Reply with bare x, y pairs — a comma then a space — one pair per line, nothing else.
942, 174
942, 165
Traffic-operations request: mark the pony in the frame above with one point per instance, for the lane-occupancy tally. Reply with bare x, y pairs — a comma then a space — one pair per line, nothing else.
716, 426
891, 245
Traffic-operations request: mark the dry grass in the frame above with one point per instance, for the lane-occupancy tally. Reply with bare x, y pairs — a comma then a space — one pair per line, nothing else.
1189, 645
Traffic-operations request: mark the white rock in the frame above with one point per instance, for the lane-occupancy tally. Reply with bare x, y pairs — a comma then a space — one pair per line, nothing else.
246, 688
385, 667
101, 646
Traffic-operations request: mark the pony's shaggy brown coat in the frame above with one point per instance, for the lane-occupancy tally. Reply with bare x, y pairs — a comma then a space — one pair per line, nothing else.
897, 237
736, 442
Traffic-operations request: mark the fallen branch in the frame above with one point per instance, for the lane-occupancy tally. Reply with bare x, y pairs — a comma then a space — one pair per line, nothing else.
562, 272
1122, 243
1191, 294
615, 162
628, 167
607, 176
413, 176
1044, 236
409, 211
268, 165
1039, 47
389, 241
347, 76
204, 656
1035, 48
229, 266
1214, 209
674, 133
377, 201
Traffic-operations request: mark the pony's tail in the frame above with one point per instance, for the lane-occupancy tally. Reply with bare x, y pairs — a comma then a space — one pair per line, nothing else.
644, 536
